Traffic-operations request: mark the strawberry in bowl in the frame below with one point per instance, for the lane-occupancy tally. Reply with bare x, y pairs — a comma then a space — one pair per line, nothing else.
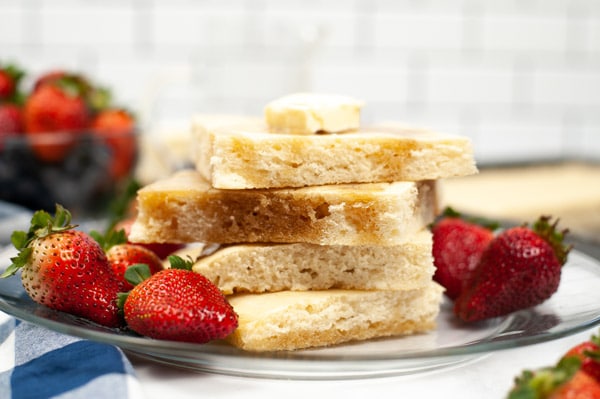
57, 145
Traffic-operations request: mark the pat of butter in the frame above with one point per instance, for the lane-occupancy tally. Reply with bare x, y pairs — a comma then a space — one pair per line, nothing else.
309, 113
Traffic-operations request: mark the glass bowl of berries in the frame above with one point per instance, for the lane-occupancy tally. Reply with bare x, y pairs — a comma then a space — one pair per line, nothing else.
63, 142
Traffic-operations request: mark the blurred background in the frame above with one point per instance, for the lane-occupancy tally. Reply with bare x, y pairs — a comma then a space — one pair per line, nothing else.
520, 77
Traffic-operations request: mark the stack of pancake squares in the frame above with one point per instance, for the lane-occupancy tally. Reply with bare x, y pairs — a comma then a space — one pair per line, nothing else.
314, 227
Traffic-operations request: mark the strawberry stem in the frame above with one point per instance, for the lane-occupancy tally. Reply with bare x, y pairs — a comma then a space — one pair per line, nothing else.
539, 384
137, 273
110, 239
489, 224
99, 98
593, 353
450, 212
15, 72
121, 298
178, 262
595, 339
134, 275
549, 232
42, 225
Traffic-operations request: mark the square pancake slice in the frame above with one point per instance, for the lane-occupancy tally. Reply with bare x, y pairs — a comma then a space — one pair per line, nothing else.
248, 155
292, 320
258, 268
184, 208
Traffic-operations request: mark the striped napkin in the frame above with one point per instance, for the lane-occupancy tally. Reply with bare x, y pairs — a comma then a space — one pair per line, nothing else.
39, 363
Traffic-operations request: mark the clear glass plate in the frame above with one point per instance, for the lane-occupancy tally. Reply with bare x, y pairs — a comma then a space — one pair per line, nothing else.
575, 307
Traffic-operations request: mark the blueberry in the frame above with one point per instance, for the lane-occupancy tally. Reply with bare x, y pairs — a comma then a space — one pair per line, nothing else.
81, 181
20, 178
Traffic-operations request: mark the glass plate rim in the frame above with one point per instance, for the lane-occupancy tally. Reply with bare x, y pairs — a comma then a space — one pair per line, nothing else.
211, 356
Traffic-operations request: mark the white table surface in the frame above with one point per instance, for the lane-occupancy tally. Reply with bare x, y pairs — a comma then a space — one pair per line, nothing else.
490, 376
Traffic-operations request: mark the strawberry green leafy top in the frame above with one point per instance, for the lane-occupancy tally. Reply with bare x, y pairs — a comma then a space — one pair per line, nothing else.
42, 225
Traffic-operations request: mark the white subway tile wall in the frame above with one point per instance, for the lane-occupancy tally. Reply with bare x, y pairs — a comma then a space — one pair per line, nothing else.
520, 77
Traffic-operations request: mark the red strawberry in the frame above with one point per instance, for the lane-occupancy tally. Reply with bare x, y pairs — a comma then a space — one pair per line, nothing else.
180, 305
457, 246
520, 268
7, 85
97, 98
580, 386
49, 77
588, 353
116, 127
10, 77
121, 255
65, 269
58, 108
563, 381
162, 250
11, 122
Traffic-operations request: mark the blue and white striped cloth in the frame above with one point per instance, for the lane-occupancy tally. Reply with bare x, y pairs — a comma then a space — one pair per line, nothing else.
38, 363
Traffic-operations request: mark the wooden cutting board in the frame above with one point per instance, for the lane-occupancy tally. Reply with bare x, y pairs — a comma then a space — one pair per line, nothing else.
567, 190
